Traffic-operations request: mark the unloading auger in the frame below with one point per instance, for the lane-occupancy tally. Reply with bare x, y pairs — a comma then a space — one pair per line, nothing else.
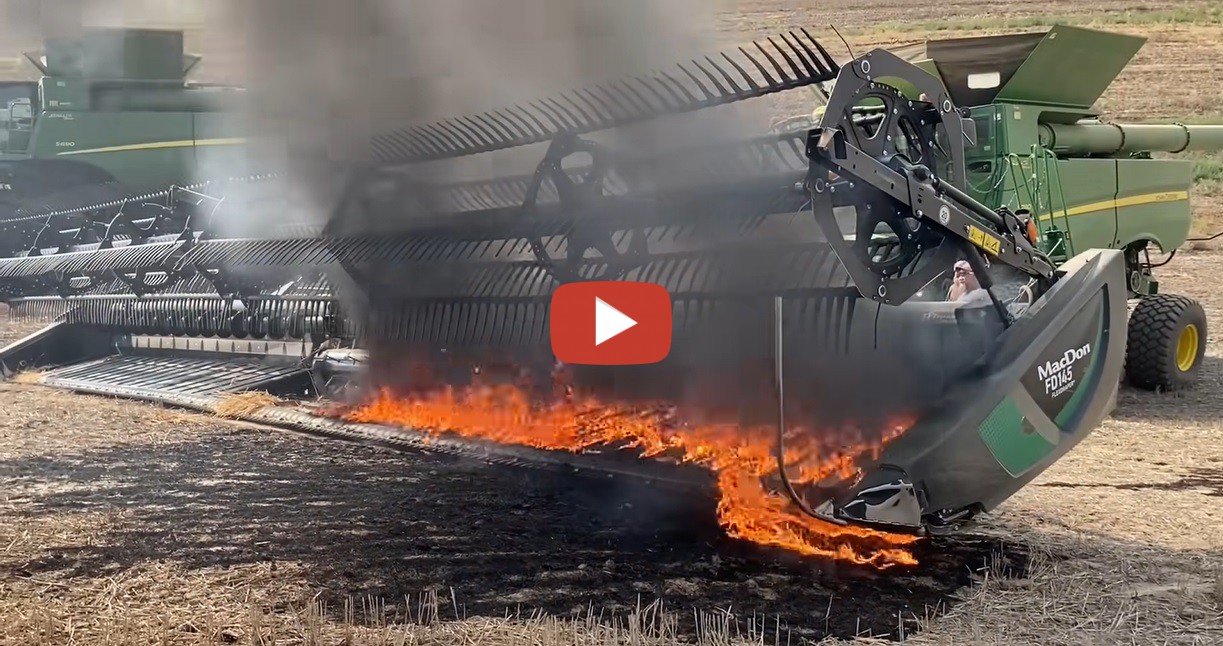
1032, 370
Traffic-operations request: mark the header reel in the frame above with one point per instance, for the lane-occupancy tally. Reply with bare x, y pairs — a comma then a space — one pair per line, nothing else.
897, 158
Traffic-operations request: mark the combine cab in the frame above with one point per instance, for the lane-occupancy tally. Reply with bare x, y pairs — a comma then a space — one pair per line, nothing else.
806, 269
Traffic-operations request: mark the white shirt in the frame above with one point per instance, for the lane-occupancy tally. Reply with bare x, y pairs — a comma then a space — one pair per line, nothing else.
976, 298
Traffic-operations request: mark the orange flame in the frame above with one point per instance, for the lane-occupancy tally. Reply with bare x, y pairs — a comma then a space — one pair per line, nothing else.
740, 457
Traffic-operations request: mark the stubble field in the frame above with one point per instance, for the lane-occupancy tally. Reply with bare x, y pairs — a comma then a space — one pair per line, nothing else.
121, 521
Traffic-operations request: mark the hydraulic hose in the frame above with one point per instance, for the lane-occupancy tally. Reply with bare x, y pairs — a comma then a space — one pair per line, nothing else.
779, 382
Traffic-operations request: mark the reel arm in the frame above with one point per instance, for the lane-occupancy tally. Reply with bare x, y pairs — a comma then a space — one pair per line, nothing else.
940, 209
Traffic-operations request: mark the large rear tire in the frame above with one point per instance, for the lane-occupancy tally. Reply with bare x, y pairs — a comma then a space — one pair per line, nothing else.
1165, 343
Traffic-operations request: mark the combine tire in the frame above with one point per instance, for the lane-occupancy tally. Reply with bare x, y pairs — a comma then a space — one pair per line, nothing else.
1165, 342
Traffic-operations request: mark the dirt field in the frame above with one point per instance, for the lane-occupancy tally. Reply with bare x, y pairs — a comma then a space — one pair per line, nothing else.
121, 520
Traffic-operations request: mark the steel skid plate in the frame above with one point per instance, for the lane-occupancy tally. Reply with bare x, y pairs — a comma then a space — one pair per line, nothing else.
1045, 383
152, 376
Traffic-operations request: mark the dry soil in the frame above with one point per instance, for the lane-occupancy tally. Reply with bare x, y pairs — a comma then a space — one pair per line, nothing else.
121, 520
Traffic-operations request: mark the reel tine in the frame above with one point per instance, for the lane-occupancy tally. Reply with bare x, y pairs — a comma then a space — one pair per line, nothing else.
475, 130
798, 73
415, 141
742, 72
529, 115
549, 116
574, 122
586, 118
522, 129
613, 98
800, 52
460, 135
781, 73
429, 133
620, 103
709, 97
600, 106
495, 124
664, 106
673, 84
713, 79
830, 63
647, 108
768, 79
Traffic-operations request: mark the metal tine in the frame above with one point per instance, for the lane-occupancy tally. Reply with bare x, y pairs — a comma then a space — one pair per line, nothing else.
735, 92
543, 130
388, 142
576, 123
665, 85
704, 90
751, 82
428, 137
828, 59
799, 52
493, 135
590, 121
415, 142
520, 125
501, 194
646, 108
662, 99
768, 79
659, 106
822, 64
619, 101
781, 73
798, 73
461, 132
439, 140
606, 107
450, 140
491, 132
492, 197
554, 118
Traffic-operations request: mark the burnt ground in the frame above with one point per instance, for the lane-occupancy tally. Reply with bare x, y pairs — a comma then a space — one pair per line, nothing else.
358, 521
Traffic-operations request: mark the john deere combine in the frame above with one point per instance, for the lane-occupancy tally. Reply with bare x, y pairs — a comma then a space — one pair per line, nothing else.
816, 252
112, 116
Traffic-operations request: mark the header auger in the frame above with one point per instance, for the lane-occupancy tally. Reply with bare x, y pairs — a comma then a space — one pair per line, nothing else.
834, 244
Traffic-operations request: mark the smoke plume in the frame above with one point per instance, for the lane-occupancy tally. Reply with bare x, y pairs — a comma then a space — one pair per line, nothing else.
323, 77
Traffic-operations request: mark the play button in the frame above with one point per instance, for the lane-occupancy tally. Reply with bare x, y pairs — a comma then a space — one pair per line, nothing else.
609, 321
635, 330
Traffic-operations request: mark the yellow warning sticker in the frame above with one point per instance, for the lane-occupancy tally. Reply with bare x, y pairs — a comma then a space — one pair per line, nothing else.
984, 240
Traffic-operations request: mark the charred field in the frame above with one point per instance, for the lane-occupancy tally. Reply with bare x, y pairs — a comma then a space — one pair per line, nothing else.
123, 522
491, 540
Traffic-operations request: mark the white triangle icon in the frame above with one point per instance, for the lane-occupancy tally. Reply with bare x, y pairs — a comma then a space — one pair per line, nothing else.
609, 321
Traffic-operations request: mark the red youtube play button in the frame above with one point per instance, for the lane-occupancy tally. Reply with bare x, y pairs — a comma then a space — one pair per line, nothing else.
611, 323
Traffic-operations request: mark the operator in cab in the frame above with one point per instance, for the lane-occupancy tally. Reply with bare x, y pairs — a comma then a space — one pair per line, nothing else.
965, 290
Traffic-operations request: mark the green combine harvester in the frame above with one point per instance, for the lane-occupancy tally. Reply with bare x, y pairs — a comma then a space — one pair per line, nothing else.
1086, 183
112, 116
824, 253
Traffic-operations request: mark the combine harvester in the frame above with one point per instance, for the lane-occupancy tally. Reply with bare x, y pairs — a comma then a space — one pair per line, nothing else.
823, 254
113, 116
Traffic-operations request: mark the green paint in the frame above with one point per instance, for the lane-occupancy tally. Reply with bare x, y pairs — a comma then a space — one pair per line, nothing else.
1015, 448
1018, 447
1088, 387
118, 100
1046, 78
1041, 148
